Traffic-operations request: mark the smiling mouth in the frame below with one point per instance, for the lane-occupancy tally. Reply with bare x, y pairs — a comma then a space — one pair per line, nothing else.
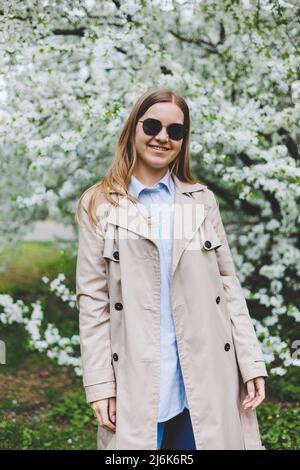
159, 149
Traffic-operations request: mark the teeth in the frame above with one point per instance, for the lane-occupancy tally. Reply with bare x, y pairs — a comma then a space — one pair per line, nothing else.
157, 148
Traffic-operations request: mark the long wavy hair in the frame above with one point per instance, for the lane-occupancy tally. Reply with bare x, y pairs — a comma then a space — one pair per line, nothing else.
119, 173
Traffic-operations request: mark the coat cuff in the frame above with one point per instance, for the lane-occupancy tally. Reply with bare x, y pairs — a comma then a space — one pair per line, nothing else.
98, 376
100, 391
253, 370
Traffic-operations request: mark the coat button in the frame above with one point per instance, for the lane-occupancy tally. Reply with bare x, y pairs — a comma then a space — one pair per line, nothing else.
218, 300
118, 306
115, 357
116, 255
227, 347
207, 243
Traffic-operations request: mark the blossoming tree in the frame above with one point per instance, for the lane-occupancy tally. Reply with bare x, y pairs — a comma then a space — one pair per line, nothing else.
71, 70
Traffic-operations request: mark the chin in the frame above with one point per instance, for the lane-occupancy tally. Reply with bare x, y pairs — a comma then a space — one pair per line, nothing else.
159, 160
158, 164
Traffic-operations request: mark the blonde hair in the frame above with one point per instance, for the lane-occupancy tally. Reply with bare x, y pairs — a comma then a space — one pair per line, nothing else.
119, 173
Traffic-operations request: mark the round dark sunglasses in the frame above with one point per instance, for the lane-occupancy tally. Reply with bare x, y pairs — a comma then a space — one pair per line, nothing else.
153, 127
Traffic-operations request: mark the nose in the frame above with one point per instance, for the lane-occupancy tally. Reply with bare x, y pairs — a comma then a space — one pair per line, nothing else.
162, 135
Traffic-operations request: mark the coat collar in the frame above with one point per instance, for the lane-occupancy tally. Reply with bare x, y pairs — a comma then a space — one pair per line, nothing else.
126, 212
183, 187
189, 215
136, 186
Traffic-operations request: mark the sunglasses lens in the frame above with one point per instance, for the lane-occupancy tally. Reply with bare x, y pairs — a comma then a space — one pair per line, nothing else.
151, 126
176, 131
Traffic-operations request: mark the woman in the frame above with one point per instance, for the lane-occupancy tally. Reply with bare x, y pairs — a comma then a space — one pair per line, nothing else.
170, 356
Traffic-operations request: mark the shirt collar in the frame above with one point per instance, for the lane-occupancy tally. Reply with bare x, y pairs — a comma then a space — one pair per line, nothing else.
136, 186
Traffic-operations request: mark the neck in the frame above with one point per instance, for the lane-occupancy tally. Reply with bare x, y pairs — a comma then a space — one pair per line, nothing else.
149, 176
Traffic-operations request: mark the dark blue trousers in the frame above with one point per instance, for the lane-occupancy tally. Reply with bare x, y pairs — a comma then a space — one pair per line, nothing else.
176, 433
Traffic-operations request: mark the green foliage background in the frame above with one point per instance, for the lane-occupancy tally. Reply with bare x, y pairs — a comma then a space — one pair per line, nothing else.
42, 405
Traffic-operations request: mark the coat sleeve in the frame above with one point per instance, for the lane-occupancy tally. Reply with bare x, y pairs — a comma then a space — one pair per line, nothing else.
92, 299
248, 350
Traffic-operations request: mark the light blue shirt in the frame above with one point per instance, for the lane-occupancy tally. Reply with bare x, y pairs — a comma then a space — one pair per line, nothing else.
159, 202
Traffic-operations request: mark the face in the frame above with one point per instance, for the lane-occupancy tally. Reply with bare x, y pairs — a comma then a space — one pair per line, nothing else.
149, 157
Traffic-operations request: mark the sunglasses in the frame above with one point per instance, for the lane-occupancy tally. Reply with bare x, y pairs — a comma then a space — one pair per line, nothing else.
153, 127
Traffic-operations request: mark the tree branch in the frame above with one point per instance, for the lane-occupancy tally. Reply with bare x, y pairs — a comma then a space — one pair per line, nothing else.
210, 47
290, 143
69, 32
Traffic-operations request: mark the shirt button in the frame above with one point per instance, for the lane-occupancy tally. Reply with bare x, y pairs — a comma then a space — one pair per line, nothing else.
115, 357
116, 255
227, 347
207, 243
218, 300
118, 306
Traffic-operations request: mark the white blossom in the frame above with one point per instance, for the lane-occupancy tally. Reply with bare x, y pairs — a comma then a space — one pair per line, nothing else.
65, 98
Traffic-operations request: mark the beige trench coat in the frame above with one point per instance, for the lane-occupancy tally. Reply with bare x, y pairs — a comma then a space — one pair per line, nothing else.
118, 295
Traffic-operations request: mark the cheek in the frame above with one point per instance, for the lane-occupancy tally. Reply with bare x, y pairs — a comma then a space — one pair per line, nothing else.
177, 147
141, 140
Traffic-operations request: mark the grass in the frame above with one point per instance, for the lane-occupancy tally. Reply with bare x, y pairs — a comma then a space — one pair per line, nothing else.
280, 425
32, 260
45, 409
43, 406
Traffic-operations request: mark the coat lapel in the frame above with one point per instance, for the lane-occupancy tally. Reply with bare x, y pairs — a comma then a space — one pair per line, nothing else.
189, 214
131, 217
